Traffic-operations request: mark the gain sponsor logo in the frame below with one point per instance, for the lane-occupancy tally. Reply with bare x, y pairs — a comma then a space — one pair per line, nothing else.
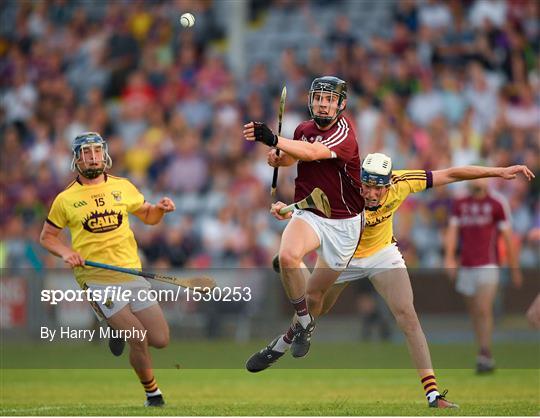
79, 204
98, 222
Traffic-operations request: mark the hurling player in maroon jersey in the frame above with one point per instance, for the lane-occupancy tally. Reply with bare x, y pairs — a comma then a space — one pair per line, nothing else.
326, 150
476, 222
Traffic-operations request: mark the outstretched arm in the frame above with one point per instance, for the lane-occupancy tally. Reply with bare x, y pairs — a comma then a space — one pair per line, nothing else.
299, 150
470, 172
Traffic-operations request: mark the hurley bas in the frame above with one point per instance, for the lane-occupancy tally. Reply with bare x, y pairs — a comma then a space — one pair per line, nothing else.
69, 333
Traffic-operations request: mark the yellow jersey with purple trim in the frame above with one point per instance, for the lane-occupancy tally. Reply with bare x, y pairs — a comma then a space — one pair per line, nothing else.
97, 217
378, 232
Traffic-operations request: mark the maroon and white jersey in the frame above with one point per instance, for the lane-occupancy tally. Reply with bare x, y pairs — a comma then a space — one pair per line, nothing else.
338, 177
479, 222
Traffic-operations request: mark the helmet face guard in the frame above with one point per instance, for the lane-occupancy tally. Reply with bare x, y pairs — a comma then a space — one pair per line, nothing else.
327, 84
94, 143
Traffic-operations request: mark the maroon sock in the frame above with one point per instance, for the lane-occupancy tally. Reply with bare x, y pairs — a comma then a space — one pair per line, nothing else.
300, 306
289, 335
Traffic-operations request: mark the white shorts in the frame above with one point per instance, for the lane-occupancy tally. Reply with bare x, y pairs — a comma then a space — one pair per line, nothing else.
104, 308
388, 258
469, 279
338, 238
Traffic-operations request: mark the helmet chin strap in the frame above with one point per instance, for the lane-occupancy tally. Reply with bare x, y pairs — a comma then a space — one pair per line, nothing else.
323, 122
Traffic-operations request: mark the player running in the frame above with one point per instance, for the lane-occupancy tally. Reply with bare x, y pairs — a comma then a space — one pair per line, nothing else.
326, 150
95, 208
476, 222
379, 259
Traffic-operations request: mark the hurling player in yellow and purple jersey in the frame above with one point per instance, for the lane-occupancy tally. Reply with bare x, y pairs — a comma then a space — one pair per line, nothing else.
378, 257
95, 207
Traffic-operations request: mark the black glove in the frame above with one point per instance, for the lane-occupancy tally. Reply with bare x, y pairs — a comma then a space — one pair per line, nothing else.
264, 134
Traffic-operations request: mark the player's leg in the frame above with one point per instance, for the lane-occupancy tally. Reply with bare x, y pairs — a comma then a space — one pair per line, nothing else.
479, 288
139, 355
482, 311
331, 297
154, 321
298, 239
339, 240
321, 281
394, 286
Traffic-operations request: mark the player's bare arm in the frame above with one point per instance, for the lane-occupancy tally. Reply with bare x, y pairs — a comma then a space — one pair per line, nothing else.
152, 214
50, 239
455, 174
299, 150
281, 160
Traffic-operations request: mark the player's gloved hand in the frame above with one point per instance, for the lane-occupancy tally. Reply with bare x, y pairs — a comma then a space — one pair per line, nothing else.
264, 134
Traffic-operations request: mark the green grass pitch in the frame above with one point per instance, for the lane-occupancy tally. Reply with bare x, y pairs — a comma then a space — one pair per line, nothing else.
277, 391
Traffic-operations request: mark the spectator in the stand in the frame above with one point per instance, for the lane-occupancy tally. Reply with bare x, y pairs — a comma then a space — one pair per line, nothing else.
407, 13
493, 11
121, 57
187, 170
482, 97
20, 99
427, 104
435, 14
341, 35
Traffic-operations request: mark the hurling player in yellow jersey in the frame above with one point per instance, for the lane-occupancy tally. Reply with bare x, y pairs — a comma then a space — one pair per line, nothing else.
95, 208
378, 258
